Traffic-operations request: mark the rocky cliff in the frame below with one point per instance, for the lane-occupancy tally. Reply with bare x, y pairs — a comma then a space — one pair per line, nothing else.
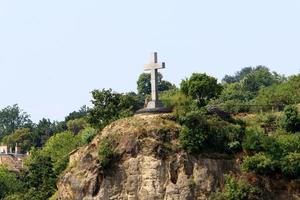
12, 162
149, 165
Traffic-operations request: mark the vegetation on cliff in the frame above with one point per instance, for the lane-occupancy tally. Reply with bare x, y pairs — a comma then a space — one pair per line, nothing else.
251, 116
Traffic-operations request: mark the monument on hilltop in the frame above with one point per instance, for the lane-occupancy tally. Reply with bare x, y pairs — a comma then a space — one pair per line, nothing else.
154, 106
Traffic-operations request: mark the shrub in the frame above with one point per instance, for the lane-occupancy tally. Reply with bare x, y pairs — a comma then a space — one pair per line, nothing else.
87, 135
106, 152
9, 183
224, 136
193, 139
290, 165
288, 143
235, 106
58, 148
237, 189
200, 130
291, 120
194, 131
254, 141
260, 163
76, 125
180, 103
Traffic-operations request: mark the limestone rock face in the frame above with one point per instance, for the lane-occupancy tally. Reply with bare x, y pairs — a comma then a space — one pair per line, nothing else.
13, 163
150, 165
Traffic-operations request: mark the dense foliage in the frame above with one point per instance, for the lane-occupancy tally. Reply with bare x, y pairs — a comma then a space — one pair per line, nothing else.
268, 155
13, 118
291, 119
237, 189
201, 87
268, 140
106, 152
144, 84
202, 131
110, 106
9, 183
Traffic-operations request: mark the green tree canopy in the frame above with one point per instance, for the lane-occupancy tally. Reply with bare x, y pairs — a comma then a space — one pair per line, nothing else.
45, 129
40, 178
260, 77
76, 125
58, 148
201, 87
259, 73
144, 84
82, 112
24, 137
110, 106
8, 183
13, 118
282, 94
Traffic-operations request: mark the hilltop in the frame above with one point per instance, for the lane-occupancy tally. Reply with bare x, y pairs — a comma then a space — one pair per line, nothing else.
148, 162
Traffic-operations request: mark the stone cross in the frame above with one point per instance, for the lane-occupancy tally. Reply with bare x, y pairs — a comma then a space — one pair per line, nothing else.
153, 66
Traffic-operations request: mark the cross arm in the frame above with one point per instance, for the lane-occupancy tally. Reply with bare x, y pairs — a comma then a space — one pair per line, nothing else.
152, 66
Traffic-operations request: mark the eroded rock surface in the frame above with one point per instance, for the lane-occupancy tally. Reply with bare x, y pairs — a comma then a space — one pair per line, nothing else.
150, 165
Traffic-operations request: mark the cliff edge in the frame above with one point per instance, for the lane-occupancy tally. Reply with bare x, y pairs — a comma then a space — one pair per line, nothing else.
149, 165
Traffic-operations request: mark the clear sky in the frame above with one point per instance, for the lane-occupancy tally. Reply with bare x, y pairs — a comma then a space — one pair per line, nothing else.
54, 52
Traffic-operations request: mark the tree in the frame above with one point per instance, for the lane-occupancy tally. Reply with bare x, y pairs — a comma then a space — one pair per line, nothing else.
203, 131
282, 94
13, 118
41, 178
238, 75
82, 112
45, 129
8, 183
23, 137
235, 92
261, 73
76, 125
110, 106
260, 77
144, 84
201, 87
58, 148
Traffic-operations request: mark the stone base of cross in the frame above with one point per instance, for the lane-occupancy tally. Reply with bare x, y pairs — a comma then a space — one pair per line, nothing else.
154, 105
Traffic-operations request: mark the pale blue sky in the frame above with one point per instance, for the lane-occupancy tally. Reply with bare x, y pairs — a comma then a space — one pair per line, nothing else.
54, 52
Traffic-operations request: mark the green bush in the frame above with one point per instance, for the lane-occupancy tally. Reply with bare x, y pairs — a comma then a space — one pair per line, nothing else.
224, 136
291, 120
106, 152
9, 183
87, 135
58, 148
76, 125
203, 131
193, 139
260, 163
40, 178
288, 143
257, 141
237, 189
180, 103
290, 165
235, 106
254, 141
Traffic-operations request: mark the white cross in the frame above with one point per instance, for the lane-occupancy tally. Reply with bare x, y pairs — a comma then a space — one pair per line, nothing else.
153, 66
